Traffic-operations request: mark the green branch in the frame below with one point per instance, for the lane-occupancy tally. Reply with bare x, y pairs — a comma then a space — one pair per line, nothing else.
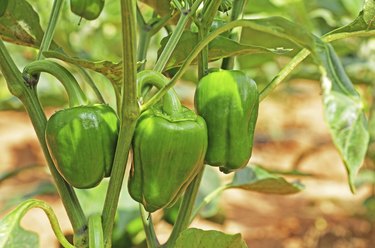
129, 112
175, 37
48, 35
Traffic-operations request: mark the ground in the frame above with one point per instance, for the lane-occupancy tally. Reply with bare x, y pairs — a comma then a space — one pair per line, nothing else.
291, 134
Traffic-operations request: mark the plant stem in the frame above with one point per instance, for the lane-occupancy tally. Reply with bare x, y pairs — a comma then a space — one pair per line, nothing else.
48, 35
151, 238
129, 114
28, 97
207, 200
175, 37
304, 53
74, 91
96, 239
283, 73
31, 203
144, 38
238, 7
172, 42
186, 208
92, 84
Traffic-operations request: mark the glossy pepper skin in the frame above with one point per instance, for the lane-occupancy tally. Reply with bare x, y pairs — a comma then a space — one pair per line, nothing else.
168, 152
228, 101
88, 9
82, 142
169, 145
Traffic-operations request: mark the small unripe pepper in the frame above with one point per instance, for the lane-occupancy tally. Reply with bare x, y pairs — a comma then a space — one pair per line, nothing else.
169, 145
88, 9
228, 101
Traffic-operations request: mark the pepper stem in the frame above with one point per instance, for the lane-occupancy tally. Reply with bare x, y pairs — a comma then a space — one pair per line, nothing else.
171, 103
74, 91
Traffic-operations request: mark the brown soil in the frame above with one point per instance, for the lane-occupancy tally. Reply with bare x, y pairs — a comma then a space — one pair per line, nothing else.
291, 134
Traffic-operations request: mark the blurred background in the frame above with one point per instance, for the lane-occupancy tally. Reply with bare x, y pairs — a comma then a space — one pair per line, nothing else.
291, 137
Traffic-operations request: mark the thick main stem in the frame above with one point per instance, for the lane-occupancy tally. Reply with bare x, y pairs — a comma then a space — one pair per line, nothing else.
129, 112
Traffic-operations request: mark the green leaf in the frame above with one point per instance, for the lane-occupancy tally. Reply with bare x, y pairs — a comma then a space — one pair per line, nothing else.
162, 7
352, 6
112, 71
220, 47
194, 237
364, 21
12, 235
259, 180
343, 111
369, 13
20, 25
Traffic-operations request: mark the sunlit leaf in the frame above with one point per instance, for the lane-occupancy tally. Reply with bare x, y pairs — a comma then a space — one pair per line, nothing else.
257, 179
343, 111
194, 237
12, 235
369, 13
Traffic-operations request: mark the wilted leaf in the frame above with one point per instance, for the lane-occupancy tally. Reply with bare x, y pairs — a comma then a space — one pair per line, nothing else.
257, 179
20, 25
113, 71
194, 237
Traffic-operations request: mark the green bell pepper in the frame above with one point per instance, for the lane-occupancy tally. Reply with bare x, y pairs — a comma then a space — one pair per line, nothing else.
82, 142
81, 139
228, 101
169, 145
88, 9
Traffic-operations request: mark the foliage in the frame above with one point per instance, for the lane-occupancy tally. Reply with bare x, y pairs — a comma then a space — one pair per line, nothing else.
182, 39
